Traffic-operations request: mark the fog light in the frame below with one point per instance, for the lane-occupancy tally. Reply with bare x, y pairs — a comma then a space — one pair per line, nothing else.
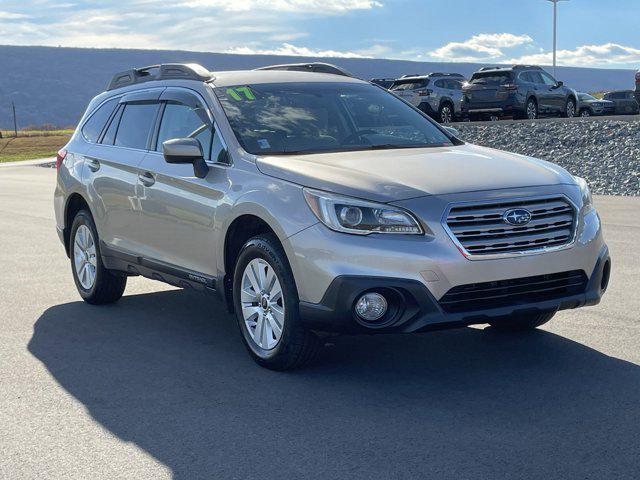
371, 307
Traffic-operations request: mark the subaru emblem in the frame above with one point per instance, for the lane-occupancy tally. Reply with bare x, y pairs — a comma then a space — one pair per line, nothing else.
517, 216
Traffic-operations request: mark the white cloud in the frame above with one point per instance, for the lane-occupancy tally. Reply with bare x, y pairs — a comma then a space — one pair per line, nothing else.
586, 55
302, 6
294, 51
12, 16
481, 47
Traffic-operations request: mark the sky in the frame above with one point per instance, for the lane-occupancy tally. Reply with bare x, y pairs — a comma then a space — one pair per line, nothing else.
592, 33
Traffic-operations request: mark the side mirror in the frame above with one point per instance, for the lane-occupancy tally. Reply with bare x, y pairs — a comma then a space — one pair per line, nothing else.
452, 131
186, 150
559, 83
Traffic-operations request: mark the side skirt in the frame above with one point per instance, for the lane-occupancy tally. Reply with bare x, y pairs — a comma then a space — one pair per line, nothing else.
114, 259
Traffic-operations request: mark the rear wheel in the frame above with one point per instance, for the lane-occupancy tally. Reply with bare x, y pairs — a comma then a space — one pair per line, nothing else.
522, 322
266, 304
94, 282
585, 112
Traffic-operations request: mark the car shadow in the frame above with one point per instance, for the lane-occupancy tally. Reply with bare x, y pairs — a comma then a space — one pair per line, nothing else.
167, 371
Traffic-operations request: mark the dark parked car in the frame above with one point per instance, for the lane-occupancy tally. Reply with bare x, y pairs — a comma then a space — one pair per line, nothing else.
521, 91
624, 101
589, 105
638, 86
383, 82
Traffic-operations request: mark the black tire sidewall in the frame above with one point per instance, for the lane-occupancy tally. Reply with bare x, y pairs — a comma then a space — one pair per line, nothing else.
84, 218
266, 248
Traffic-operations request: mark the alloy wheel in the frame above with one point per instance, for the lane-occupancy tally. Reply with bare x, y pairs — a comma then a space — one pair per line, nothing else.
262, 303
446, 116
84, 257
571, 109
532, 111
585, 113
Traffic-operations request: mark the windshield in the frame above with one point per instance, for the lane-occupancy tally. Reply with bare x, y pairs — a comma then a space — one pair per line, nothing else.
586, 96
281, 118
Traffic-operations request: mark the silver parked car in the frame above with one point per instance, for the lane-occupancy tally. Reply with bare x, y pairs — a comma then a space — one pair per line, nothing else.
313, 202
439, 95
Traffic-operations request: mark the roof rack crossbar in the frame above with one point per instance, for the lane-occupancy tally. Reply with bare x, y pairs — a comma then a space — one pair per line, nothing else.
163, 71
314, 67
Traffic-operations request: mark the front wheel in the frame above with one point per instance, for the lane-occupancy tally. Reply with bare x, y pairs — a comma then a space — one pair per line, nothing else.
522, 322
570, 108
585, 113
446, 113
266, 304
532, 109
94, 282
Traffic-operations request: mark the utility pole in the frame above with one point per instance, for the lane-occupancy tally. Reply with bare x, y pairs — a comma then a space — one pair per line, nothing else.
15, 123
555, 29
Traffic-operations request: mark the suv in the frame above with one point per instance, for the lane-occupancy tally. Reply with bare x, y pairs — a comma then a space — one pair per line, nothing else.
439, 95
625, 102
637, 92
521, 91
311, 203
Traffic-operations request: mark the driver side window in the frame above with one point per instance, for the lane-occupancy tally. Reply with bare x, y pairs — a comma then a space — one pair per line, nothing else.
184, 121
548, 79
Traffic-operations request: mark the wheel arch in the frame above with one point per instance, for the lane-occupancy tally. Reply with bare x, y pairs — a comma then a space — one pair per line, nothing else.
73, 205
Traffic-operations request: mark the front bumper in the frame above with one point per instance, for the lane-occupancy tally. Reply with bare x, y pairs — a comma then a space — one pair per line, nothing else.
331, 269
413, 307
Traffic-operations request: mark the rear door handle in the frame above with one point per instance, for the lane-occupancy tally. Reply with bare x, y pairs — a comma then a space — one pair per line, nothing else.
93, 164
147, 179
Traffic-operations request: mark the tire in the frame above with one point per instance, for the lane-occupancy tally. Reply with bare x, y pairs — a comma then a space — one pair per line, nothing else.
295, 346
585, 112
445, 113
569, 108
516, 323
84, 250
531, 110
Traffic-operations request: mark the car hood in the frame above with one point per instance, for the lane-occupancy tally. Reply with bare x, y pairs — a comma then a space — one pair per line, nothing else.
392, 175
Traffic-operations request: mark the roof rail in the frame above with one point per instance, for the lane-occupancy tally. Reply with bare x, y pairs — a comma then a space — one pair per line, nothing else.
315, 67
527, 66
483, 69
410, 75
164, 71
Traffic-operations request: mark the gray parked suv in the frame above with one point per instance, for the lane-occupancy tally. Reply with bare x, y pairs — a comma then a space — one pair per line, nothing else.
312, 202
439, 95
521, 91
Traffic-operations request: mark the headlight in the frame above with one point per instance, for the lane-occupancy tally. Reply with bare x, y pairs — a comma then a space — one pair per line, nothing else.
350, 215
584, 190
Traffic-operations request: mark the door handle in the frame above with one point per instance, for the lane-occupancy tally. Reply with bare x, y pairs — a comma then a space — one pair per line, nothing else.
147, 179
93, 164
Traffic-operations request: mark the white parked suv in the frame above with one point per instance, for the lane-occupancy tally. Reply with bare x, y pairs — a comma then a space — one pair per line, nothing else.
314, 202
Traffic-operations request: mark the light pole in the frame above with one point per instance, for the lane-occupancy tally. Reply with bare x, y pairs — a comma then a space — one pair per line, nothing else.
555, 28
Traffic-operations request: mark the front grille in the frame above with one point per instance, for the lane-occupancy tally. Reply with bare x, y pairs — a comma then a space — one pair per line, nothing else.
513, 292
481, 230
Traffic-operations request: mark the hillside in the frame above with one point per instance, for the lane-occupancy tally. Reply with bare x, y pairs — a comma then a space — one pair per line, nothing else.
54, 85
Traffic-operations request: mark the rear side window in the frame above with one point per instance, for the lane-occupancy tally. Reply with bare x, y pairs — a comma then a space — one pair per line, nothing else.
94, 126
183, 121
135, 125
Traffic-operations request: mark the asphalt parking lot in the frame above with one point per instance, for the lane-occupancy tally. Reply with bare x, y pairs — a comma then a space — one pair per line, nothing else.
159, 386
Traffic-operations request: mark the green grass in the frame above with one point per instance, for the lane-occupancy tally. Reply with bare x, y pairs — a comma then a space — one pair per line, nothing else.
27, 147
36, 133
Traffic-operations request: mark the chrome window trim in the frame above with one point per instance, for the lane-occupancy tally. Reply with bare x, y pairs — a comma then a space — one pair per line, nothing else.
495, 256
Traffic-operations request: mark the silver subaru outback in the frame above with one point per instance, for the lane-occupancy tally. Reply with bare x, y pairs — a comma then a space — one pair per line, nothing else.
313, 203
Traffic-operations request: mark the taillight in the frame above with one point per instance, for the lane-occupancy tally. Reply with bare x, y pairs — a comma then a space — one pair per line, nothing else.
62, 154
424, 93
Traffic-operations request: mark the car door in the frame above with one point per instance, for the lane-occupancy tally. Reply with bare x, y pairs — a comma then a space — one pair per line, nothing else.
111, 168
555, 96
177, 208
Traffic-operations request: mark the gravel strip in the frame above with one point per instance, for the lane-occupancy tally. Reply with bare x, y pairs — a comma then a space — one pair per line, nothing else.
605, 152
